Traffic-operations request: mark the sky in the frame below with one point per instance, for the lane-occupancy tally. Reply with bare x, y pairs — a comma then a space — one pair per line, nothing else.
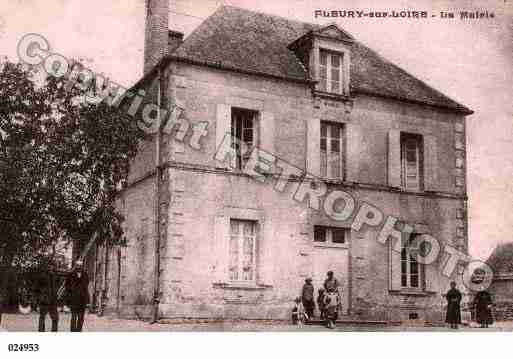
471, 61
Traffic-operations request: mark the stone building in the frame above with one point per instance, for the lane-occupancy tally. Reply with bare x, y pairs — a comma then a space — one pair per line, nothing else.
501, 289
338, 117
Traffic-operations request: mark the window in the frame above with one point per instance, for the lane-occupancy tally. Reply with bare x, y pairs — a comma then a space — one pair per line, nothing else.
332, 150
411, 162
242, 250
332, 235
331, 72
411, 269
243, 131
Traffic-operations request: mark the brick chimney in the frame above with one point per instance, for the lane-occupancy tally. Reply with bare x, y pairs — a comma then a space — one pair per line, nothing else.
156, 32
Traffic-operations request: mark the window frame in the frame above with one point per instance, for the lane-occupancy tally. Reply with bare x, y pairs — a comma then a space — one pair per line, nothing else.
406, 138
328, 242
240, 251
253, 115
329, 139
409, 260
330, 55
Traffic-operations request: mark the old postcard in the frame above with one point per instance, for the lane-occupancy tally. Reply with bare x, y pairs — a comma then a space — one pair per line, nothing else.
244, 165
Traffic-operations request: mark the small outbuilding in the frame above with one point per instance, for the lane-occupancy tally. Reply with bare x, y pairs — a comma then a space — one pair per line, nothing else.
501, 289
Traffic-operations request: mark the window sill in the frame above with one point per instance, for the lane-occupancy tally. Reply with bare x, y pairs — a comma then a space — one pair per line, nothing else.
332, 95
241, 286
331, 245
412, 292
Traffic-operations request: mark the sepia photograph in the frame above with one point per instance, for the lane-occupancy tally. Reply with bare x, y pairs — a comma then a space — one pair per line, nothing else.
255, 166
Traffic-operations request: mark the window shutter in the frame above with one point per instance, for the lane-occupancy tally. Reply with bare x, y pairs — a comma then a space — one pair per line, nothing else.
430, 164
313, 144
265, 263
267, 132
394, 158
430, 277
394, 263
223, 127
221, 250
354, 148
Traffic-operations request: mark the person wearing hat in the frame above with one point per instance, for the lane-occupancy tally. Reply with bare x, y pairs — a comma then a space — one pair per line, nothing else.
77, 296
46, 293
307, 298
453, 315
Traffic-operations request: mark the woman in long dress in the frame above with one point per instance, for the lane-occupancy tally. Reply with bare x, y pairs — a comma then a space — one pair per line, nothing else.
453, 316
483, 306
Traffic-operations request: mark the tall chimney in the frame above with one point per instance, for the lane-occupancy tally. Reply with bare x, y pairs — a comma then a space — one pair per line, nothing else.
156, 32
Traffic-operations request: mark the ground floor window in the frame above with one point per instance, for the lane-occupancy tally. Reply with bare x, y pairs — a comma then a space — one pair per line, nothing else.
411, 269
243, 235
334, 235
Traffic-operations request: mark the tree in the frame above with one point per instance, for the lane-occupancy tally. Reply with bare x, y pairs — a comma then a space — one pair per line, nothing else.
61, 162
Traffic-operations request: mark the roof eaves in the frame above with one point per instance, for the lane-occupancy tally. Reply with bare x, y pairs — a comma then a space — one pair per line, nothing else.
219, 65
149, 75
462, 110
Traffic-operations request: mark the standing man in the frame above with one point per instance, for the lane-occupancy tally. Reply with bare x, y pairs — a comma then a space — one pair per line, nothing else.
307, 297
453, 316
78, 296
46, 293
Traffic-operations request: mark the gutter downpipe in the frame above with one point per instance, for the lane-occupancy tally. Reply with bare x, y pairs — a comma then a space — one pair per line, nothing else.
156, 273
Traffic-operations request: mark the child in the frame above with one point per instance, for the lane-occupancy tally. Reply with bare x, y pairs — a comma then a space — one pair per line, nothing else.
298, 312
320, 303
331, 305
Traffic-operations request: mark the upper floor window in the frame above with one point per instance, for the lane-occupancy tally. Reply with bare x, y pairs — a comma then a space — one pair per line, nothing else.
411, 162
243, 236
331, 72
243, 131
332, 150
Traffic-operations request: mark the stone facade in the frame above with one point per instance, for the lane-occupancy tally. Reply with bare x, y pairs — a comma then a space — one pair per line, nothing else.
198, 197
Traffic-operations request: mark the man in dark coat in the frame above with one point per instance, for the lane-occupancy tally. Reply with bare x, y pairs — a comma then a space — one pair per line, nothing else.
483, 307
307, 297
77, 296
453, 297
46, 293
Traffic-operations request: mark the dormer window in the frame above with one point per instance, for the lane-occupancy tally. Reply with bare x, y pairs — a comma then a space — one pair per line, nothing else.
326, 53
331, 73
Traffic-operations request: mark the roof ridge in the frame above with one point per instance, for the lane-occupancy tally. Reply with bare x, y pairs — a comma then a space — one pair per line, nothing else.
223, 40
270, 15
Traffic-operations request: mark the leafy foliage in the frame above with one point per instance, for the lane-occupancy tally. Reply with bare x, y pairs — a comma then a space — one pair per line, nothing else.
61, 161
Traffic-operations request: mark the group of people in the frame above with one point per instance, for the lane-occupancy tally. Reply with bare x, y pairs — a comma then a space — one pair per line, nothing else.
482, 306
329, 304
76, 297
328, 301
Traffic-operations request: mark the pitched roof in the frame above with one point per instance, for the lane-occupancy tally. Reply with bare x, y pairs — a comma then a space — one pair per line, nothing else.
501, 259
252, 42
